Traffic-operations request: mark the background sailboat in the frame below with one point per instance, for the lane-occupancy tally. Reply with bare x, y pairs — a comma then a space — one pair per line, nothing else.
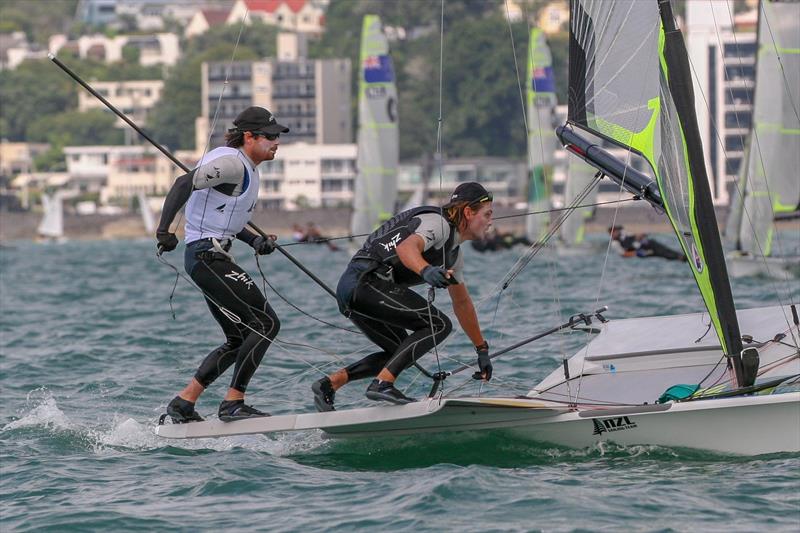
51, 227
148, 220
769, 185
542, 142
571, 234
378, 136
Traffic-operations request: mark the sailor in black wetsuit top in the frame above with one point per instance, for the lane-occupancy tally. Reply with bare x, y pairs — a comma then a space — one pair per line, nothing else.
420, 245
640, 245
220, 195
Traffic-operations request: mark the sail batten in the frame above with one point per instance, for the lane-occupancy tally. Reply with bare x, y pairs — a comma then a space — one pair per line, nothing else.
375, 192
630, 84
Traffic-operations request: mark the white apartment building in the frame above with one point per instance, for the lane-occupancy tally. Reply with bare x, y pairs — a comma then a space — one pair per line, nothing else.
310, 96
309, 175
118, 171
134, 98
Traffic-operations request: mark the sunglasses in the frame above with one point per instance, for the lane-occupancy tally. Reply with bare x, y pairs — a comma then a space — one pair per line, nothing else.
269, 136
485, 198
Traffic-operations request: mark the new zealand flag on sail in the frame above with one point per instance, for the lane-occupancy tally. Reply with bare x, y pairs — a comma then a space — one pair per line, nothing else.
378, 69
543, 81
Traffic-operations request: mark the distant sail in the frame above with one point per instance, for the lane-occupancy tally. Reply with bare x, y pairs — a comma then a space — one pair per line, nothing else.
542, 141
378, 136
579, 176
147, 214
52, 224
770, 183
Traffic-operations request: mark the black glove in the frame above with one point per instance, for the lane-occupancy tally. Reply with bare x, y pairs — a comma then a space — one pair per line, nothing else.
435, 276
264, 246
484, 362
166, 241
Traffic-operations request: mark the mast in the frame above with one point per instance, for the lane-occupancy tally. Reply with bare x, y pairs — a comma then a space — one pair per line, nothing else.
704, 221
378, 136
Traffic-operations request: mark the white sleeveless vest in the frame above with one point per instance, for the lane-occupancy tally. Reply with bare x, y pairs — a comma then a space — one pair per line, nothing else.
209, 213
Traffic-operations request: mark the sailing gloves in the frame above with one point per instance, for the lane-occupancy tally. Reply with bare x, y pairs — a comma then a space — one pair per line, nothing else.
436, 277
484, 362
264, 245
166, 241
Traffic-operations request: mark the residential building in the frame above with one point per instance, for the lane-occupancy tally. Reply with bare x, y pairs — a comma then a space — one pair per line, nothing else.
554, 17
144, 15
310, 96
154, 49
118, 171
135, 98
203, 20
302, 16
723, 67
309, 175
15, 48
17, 158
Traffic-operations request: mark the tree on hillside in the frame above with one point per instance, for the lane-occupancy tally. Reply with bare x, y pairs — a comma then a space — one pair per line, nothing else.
37, 89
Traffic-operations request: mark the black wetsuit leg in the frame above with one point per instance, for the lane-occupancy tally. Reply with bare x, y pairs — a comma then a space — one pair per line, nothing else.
225, 284
384, 311
659, 250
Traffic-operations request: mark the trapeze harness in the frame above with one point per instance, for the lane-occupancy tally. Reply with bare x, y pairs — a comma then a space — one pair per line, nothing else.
213, 218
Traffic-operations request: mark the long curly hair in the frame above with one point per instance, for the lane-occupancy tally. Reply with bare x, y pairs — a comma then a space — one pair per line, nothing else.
455, 213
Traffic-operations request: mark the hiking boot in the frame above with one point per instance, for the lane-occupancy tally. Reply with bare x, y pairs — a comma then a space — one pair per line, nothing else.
182, 411
386, 392
230, 410
323, 395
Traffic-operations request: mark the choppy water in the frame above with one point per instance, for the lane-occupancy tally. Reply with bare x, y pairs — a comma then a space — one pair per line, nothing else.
91, 354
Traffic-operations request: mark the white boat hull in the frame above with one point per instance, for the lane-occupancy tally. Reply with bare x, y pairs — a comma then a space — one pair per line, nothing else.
751, 425
740, 266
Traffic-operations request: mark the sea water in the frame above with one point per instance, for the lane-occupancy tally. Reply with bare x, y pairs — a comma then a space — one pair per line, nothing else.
91, 354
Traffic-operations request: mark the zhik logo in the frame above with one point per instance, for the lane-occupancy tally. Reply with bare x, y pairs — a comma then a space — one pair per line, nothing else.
221, 208
240, 276
601, 425
392, 244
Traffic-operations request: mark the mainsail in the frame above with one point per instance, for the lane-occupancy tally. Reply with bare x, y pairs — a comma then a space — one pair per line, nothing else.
629, 83
52, 224
579, 176
378, 138
769, 183
542, 141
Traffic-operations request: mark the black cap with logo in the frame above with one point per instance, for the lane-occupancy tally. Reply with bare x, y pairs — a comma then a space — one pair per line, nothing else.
471, 192
258, 119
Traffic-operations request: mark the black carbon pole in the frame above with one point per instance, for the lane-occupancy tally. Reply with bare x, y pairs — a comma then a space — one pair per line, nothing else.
177, 162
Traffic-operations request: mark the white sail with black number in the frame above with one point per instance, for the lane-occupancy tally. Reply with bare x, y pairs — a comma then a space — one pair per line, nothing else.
378, 136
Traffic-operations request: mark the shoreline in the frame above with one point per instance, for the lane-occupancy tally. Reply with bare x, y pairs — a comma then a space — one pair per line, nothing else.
333, 222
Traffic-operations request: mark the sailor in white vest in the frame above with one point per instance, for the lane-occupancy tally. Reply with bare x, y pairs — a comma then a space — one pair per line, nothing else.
220, 195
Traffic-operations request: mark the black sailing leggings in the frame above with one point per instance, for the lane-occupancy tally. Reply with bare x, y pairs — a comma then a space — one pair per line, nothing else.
225, 284
384, 312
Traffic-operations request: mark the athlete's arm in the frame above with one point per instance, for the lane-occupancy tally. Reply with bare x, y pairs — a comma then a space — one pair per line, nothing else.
465, 313
176, 197
410, 254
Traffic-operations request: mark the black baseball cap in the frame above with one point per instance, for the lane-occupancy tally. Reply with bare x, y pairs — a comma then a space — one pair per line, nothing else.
258, 119
471, 192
